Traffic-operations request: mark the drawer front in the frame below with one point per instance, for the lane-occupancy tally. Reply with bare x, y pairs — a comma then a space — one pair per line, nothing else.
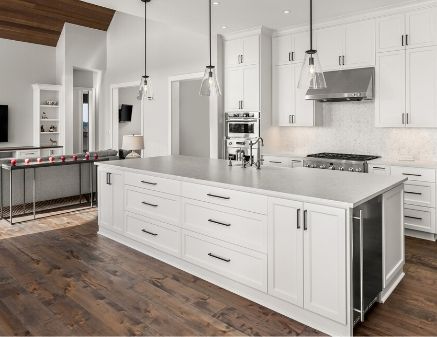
158, 235
153, 183
226, 197
244, 266
241, 228
296, 163
379, 169
277, 161
420, 194
415, 174
419, 219
160, 206
28, 154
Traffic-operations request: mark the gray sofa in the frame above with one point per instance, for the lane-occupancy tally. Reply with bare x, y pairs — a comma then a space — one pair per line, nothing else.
51, 182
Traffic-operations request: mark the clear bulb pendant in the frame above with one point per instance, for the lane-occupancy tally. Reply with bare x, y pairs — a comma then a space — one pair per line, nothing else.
145, 92
311, 75
210, 85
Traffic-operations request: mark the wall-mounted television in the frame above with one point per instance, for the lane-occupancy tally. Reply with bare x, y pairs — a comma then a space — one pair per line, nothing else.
125, 113
3, 123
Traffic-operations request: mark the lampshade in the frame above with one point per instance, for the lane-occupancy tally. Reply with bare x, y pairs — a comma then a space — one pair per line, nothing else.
133, 143
146, 89
210, 85
311, 75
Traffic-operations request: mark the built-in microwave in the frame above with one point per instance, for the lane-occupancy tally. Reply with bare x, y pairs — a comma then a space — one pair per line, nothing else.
242, 125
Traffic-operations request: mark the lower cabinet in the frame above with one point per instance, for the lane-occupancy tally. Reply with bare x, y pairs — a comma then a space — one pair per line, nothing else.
111, 199
303, 268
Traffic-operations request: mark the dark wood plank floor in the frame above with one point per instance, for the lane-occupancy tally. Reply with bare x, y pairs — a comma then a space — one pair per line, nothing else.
73, 282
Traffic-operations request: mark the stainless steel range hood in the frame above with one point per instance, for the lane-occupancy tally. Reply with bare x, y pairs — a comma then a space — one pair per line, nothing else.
345, 85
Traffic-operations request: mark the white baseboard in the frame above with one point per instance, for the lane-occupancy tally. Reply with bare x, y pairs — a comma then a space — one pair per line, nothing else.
420, 235
385, 294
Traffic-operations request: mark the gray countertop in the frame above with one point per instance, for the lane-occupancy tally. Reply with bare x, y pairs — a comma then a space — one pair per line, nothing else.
343, 189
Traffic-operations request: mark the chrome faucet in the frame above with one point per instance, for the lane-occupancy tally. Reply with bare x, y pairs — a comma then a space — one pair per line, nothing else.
258, 157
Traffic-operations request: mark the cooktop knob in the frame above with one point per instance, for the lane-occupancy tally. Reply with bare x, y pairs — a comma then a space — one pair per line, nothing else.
322, 166
341, 168
359, 169
351, 169
332, 167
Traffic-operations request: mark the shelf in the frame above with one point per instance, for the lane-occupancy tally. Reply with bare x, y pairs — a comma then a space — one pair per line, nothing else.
50, 133
49, 120
49, 106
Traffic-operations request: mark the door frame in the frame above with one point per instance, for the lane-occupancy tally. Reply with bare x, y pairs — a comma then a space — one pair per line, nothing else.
171, 80
114, 96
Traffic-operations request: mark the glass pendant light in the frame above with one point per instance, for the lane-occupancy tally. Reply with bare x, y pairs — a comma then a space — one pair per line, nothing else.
145, 91
210, 85
311, 75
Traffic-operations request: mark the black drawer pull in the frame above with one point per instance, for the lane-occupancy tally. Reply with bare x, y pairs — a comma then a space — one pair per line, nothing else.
411, 174
219, 258
150, 233
148, 183
218, 196
275, 162
378, 168
413, 217
219, 223
415, 193
149, 204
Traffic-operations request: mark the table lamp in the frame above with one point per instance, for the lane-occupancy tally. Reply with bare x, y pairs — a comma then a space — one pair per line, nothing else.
133, 143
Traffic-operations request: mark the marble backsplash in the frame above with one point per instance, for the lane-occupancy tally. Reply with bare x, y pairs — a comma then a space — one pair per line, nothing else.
349, 127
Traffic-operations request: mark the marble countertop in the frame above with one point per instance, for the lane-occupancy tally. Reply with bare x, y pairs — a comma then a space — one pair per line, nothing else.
341, 189
407, 163
284, 154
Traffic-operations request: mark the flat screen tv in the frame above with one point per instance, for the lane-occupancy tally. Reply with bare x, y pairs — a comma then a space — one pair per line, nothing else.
3, 123
125, 113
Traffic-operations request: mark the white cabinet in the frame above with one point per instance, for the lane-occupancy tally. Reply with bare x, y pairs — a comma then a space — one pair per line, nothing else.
347, 46
390, 33
242, 89
111, 200
290, 48
298, 234
286, 250
290, 108
325, 265
242, 52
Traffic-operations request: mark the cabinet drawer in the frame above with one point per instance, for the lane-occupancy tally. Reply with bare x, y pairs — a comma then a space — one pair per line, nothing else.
153, 233
419, 218
420, 194
153, 183
238, 227
415, 174
244, 266
226, 197
28, 154
160, 206
379, 169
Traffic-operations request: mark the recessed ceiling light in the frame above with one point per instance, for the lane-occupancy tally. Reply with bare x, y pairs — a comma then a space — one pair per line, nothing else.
224, 27
216, 3
287, 11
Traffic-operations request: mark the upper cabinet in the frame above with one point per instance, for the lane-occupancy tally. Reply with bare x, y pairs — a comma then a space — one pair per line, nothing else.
290, 48
242, 52
347, 46
412, 30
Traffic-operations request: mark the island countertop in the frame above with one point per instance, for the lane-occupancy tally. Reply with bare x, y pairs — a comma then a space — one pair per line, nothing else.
344, 189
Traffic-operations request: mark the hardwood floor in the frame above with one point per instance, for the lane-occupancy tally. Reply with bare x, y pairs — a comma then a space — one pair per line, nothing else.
74, 282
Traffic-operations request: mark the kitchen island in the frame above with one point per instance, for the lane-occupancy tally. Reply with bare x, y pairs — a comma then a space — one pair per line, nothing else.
317, 246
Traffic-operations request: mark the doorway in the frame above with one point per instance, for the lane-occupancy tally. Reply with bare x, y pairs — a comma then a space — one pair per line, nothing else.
84, 120
190, 120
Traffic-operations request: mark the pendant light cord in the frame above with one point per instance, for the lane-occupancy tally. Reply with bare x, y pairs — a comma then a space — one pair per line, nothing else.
311, 24
145, 39
210, 33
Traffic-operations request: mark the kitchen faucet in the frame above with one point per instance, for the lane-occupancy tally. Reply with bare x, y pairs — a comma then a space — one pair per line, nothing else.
258, 157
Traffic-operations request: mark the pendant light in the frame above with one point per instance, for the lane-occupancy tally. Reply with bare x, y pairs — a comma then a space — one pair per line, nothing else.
210, 85
311, 75
145, 91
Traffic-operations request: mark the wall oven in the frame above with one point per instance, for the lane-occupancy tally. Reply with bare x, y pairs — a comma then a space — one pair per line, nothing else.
242, 125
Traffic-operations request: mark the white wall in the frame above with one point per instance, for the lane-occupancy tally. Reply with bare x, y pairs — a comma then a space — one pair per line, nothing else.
129, 96
171, 51
83, 78
350, 128
23, 64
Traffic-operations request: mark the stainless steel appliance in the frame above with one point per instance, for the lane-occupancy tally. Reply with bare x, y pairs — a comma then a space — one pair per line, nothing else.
242, 125
339, 161
345, 85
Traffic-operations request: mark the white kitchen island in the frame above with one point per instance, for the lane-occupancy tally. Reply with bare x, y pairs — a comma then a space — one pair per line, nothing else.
286, 239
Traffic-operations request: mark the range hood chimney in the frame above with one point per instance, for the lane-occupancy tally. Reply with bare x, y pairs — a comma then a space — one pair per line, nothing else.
345, 85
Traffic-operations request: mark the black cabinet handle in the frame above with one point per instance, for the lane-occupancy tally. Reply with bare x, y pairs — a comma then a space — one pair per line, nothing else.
149, 204
406, 40
148, 183
305, 225
275, 162
402, 40
339, 60
108, 178
290, 57
415, 193
218, 196
378, 168
219, 258
413, 217
412, 174
219, 223
343, 59
298, 218
150, 233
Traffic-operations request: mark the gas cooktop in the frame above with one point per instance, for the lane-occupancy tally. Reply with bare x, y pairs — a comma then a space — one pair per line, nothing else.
342, 156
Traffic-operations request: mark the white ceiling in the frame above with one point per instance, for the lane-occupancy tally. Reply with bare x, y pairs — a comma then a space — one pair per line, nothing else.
240, 14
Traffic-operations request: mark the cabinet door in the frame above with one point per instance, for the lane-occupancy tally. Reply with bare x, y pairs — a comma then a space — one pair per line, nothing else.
281, 50
300, 44
360, 44
390, 30
422, 28
233, 52
422, 87
251, 50
105, 199
234, 84
390, 89
303, 109
111, 200
325, 264
251, 89
285, 250
282, 94
330, 45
